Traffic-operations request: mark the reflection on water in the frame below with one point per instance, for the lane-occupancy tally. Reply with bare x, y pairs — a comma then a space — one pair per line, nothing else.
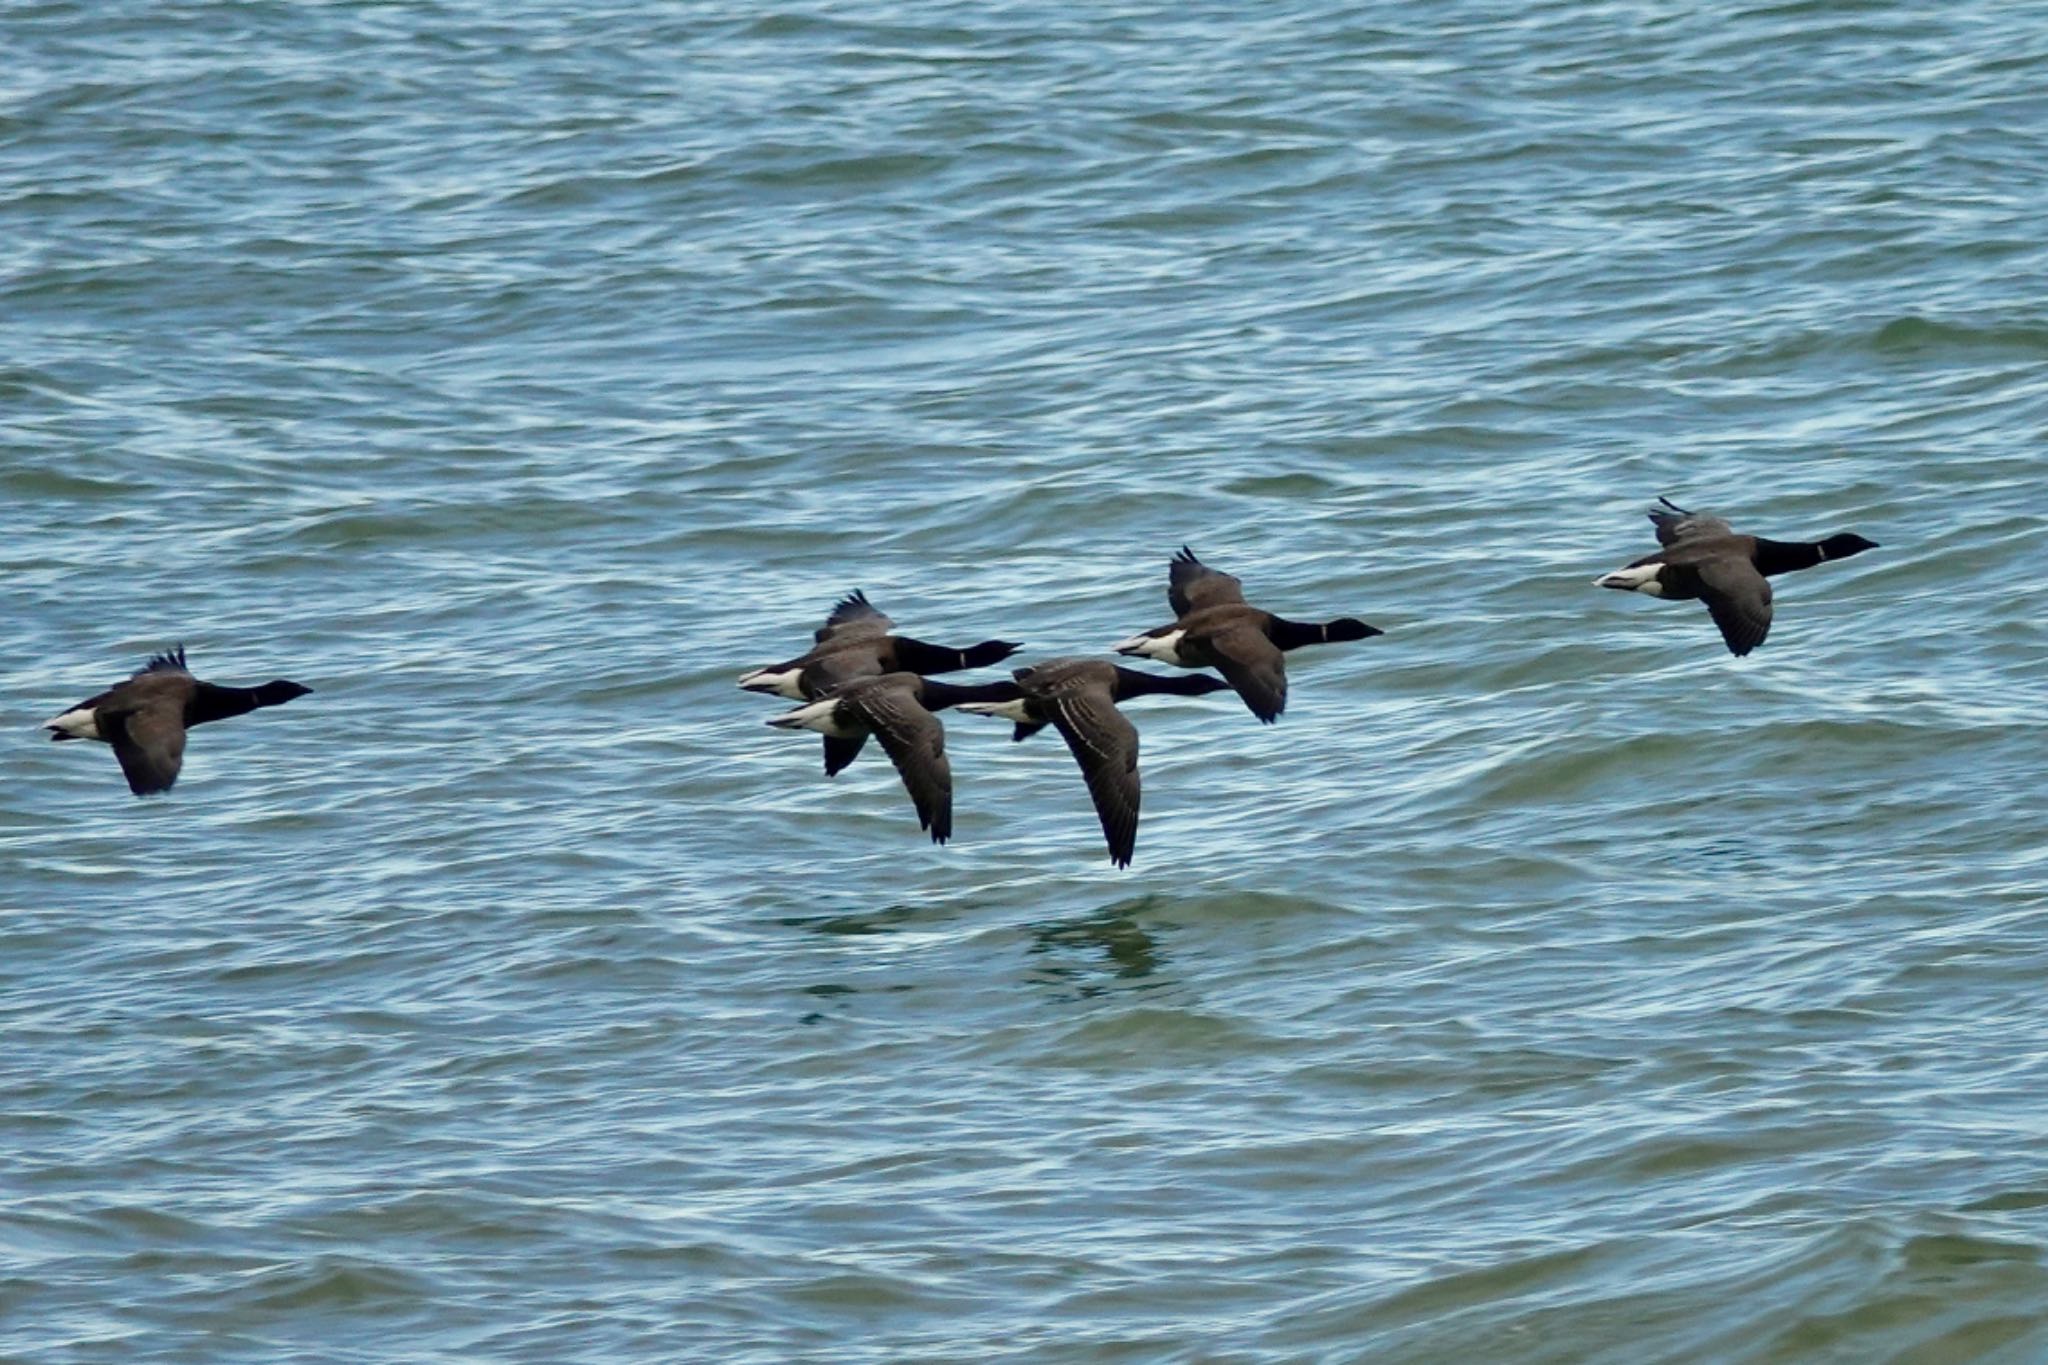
1127, 953
885, 921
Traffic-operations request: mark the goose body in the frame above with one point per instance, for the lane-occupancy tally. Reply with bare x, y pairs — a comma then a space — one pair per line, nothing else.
1214, 627
1703, 559
1080, 697
856, 642
145, 718
899, 710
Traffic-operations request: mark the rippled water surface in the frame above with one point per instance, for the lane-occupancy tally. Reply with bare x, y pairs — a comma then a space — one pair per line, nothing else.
1546, 986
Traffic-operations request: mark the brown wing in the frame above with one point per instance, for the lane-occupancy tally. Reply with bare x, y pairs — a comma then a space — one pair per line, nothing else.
150, 742
1674, 524
1192, 585
1254, 666
853, 616
1740, 600
841, 662
1105, 744
915, 741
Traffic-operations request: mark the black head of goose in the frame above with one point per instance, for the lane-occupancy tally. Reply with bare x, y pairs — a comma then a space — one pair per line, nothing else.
1214, 627
146, 717
856, 642
1080, 696
1704, 559
898, 709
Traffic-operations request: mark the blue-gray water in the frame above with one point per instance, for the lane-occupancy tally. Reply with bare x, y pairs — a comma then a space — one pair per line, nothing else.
1546, 986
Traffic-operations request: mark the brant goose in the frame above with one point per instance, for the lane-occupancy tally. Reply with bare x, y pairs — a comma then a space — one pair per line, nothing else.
1704, 558
855, 642
897, 708
146, 717
1214, 628
1080, 696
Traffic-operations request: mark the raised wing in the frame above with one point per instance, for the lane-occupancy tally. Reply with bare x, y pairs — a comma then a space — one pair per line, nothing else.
1674, 524
149, 741
915, 741
170, 661
1193, 585
1740, 600
1105, 744
1254, 666
853, 616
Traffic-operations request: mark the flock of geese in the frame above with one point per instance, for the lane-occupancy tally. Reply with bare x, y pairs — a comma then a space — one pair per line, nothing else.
859, 679
854, 684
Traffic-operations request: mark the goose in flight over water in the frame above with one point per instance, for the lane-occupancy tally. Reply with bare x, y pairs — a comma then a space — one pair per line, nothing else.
146, 717
896, 708
1703, 558
855, 642
1080, 696
1214, 627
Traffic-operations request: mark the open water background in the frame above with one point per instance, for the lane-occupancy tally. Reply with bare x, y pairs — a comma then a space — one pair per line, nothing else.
1547, 986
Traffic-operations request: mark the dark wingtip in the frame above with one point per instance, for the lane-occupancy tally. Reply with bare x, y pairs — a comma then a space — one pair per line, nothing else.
856, 598
174, 657
1186, 556
1265, 717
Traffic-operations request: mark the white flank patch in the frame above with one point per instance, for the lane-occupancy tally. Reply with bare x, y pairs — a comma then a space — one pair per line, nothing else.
1165, 648
1642, 579
780, 684
819, 716
77, 724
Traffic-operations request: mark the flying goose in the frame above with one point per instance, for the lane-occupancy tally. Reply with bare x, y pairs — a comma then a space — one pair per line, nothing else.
146, 717
1215, 628
1703, 558
897, 709
1080, 696
855, 642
